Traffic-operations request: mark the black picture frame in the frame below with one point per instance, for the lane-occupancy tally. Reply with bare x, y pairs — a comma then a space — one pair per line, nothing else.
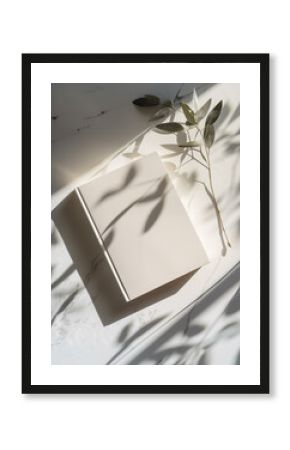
263, 61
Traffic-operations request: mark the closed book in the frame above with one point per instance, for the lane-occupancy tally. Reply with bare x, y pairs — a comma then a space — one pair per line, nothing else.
130, 228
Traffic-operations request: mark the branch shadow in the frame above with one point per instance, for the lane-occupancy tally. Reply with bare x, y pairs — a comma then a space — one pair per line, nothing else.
226, 332
127, 180
158, 195
186, 325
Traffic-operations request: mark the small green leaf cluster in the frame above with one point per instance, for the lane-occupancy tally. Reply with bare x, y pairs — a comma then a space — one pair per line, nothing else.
193, 119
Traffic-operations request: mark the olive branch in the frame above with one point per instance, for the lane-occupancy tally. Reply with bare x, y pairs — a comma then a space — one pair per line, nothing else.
200, 147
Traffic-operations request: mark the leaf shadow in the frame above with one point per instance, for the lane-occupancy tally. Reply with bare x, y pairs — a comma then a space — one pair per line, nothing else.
154, 215
54, 238
131, 173
183, 324
236, 114
194, 330
124, 333
203, 361
227, 136
181, 138
233, 147
158, 192
234, 305
162, 355
70, 269
65, 304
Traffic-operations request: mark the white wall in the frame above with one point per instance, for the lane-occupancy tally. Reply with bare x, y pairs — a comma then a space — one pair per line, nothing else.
68, 422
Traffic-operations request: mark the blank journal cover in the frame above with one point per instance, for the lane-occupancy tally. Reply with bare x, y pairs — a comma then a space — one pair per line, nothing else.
141, 231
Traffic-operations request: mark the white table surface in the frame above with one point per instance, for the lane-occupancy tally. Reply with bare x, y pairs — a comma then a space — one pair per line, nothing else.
96, 129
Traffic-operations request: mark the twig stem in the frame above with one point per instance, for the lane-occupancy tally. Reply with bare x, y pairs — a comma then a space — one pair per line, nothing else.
214, 196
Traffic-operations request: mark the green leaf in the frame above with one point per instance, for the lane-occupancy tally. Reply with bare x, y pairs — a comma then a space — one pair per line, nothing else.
147, 100
168, 103
153, 98
214, 114
209, 135
190, 144
189, 114
170, 127
202, 112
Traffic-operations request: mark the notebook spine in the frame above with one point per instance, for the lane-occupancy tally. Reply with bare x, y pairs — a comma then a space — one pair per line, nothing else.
102, 244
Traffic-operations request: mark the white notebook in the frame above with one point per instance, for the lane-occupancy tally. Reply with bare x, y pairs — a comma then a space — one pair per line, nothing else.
143, 234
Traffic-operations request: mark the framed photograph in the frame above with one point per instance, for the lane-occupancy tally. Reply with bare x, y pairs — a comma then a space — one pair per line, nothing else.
145, 223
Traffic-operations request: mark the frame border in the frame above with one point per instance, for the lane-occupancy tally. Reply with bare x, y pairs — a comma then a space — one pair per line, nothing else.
31, 58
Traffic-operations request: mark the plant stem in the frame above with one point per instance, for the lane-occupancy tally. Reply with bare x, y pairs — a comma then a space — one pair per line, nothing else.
199, 151
206, 158
214, 197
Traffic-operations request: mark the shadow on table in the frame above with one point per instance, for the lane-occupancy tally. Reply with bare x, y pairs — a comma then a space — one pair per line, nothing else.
189, 326
94, 269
